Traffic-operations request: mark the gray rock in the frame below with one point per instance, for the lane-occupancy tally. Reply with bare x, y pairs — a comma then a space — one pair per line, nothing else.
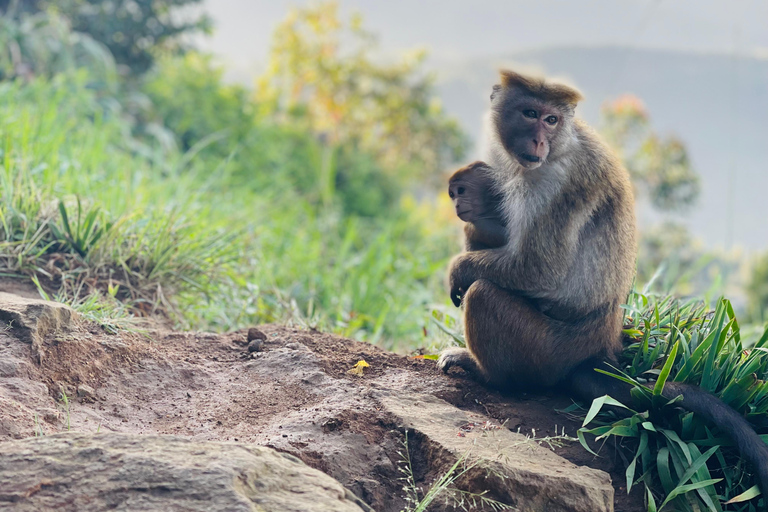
86, 392
84, 472
518, 471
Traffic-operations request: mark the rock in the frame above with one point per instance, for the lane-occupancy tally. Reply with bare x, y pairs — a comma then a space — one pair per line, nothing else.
86, 392
31, 320
295, 397
255, 334
256, 340
85, 472
331, 424
534, 478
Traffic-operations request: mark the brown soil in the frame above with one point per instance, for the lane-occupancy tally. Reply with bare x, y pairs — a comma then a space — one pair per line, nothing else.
209, 387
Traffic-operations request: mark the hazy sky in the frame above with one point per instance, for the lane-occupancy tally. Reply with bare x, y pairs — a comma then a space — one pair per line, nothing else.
457, 29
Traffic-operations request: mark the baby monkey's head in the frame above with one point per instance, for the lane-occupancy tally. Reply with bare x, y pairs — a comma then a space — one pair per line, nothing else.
470, 191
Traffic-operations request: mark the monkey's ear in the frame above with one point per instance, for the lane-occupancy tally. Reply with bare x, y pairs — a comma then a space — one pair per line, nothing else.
496, 89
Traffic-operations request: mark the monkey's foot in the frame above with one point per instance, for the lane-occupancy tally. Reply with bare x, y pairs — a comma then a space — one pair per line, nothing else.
456, 356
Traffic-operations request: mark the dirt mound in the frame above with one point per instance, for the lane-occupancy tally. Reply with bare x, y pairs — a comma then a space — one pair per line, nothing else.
294, 393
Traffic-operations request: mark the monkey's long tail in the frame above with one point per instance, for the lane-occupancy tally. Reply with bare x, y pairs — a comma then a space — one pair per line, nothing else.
587, 384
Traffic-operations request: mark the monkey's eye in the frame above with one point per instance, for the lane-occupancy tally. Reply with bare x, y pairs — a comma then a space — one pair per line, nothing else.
530, 113
551, 120
450, 194
460, 190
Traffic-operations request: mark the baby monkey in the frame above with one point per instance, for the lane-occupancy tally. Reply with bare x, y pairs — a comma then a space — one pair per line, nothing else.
477, 204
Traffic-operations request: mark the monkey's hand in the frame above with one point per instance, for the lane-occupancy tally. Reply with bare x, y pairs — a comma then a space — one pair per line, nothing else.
459, 278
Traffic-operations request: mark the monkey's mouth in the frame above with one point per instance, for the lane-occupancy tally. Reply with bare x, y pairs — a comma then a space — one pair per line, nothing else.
463, 213
530, 158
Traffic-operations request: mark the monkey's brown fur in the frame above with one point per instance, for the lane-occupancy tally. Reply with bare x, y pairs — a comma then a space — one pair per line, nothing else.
552, 92
544, 309
477, 204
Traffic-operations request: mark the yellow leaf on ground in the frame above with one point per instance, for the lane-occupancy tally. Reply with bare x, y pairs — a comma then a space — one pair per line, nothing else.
358, 368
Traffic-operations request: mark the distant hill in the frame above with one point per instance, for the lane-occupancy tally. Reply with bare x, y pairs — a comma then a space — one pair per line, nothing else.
717, 104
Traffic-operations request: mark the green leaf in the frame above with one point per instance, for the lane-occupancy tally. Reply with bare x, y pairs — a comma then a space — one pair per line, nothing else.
695, 465
707, 382
630, 473
583, 440
659, 387
598, 404
752, 492
665, 473
65, 218
677, 491
650, 500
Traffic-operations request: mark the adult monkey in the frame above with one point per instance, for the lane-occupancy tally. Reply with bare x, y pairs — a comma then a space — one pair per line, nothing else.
545, 309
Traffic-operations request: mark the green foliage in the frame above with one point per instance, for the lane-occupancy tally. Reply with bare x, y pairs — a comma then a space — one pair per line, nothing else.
147, 233
757, 289
681, 461
217, 122
134, 31
670, 260
83, 234
370, 279
190, 99
213, 242
321, 75
44, 44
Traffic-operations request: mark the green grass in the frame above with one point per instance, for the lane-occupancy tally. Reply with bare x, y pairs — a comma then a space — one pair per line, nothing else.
91, 211
681, 461
82, 211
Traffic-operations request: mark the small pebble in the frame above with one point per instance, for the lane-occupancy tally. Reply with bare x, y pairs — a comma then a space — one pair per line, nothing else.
85, 391
255, 334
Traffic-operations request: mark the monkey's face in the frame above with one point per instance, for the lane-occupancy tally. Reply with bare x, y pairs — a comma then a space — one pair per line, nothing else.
528, 127
465, 197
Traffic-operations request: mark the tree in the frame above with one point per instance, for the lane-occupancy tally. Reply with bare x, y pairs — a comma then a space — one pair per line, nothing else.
659, 167
321, 73
132, 30
189, 97
43, 43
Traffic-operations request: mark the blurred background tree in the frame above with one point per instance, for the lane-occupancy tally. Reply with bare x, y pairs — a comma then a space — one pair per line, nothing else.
44, 43
322, 73
659, 166
663, 176
134, 31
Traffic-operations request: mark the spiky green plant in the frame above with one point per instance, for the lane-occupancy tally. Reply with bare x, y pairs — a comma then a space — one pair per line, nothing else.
683, 463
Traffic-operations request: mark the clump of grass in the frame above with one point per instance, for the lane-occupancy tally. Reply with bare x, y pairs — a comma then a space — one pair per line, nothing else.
108, 312
90, 218
680, 460
444, 487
